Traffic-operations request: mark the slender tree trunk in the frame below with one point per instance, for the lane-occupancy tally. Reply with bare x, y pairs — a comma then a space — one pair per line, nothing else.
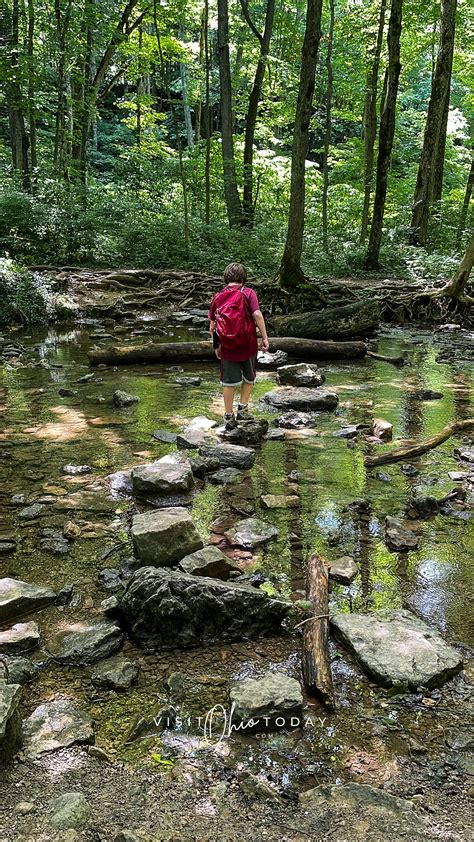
19, 142
248, 204
183, 72
62, 18
465, 206
290, 272
440, 151
198, 116
435, 128
370, 122
232, 198
386, 133
207, 117
31, 86
328, 127
166, 86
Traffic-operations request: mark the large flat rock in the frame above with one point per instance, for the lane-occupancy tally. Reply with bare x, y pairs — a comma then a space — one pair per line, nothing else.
17, 598
368, 813
56, 725
164, 537
82, 644
250, 533
166, 608
10, 720
300, 374
274, 700
230, 455
163, 478
397, 648
294, 397
19, 638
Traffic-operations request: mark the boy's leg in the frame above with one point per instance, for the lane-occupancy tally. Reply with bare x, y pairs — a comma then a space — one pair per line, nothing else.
229, 392
248, 373
245, 392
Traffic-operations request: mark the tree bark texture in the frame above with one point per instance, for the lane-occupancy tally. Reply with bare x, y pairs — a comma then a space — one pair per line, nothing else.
327, 129
411, 451
316, 665
232, 197
331, 323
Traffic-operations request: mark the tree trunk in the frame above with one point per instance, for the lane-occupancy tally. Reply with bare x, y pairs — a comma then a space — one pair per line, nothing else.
19, 143
457, 286
316, 665
440, 151
465, 206
370, 122
183, 72
435, 128
207, 118
386, 133
290, 271
330, 323
327, 130
31, 86
248, 204
231, 193
177, 352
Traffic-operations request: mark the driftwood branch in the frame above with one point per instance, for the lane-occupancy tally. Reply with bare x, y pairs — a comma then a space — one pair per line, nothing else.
315, 655
410, 451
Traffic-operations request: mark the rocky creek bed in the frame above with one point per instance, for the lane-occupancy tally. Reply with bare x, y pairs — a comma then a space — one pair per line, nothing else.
114, 715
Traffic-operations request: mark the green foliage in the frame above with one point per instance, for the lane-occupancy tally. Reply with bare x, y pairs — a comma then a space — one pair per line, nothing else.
23, 296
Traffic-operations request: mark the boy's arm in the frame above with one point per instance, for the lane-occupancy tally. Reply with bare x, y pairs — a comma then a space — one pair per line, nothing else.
212, 327
260, 322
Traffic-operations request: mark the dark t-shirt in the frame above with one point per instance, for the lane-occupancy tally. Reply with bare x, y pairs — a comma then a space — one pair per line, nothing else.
249, 345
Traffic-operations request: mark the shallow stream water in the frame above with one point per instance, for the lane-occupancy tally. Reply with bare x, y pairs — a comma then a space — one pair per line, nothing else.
41, 432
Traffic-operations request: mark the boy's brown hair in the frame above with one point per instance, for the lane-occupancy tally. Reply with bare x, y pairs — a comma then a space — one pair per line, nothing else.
235, 273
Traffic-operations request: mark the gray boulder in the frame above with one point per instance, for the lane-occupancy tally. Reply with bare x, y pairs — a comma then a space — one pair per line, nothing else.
86, 644
69, 810
192, 440
210, 561
250, 533
248, 432
115, 674
300, 398
225, 476
397, 648
262, 703
166, 608
301, 374
16, 670
17, 598
164, 537
19, 638
56, 725
230, 455
266, 359
122, 399
11, 738
368, 813
163, 479
343, 570
465, 454
398, 536
295, 420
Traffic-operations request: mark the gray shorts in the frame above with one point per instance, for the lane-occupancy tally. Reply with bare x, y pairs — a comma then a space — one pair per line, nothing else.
232, 373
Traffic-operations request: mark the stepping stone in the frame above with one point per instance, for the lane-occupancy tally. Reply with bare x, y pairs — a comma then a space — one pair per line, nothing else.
379, 814
398, 537
115, 674
19, 638
17, 598
291, 397
230, 455
164, 537
166, 608
265, 359
295, 420
248, 432
466, 454
56, 725
225, 476
201, 466
280, 501
273, 701
382, 429
10, 721
397, 648
251, 533
162, 479
343, 570
32, 512
275, 435
427, 395
86, 644
209, 561
301, 374
164, 436
188, 381
192, 440
199, 424
121, 399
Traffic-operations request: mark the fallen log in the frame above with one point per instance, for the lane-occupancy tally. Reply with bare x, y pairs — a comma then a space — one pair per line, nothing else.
316, 666
330, 323
396, 361
179, 352
410, 451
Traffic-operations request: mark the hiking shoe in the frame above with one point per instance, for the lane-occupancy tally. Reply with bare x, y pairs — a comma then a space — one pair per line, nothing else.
243, 413
230, 422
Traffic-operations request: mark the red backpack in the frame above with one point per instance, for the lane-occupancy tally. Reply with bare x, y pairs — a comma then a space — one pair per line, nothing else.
233, 320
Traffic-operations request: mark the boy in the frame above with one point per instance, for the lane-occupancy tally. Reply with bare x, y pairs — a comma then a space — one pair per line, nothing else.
234, 315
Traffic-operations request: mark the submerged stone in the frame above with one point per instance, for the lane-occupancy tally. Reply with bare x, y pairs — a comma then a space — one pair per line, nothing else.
251, 533
397, 648
122, 399
17, 598
292, 397
167, 608
230, 455
273, 700
343, 570
398, 536
55, 725
280, 501
84, 644
165, 536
